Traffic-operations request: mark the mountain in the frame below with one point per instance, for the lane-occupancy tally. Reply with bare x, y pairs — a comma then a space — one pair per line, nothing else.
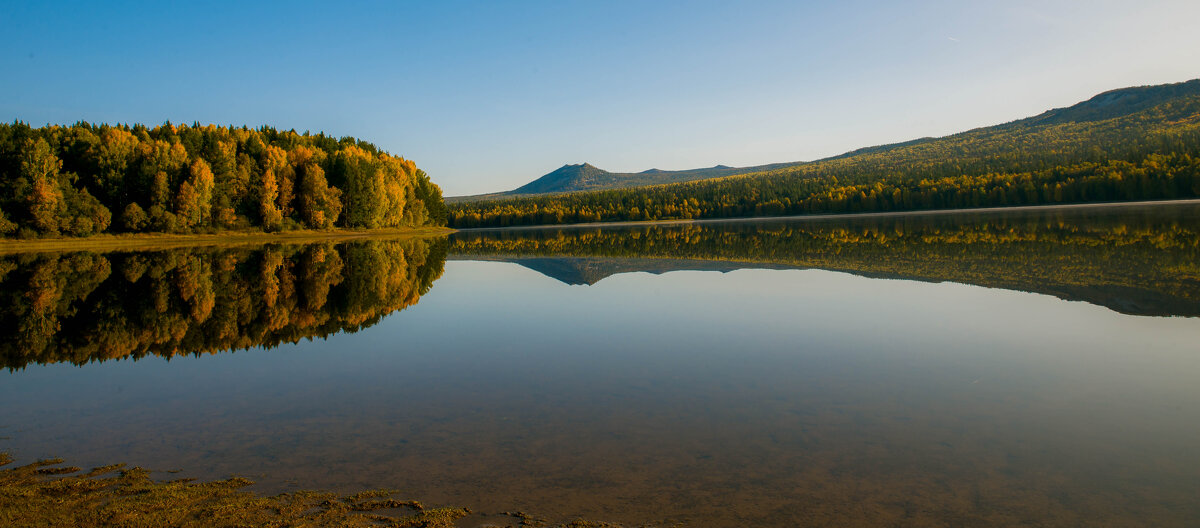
587, 177
1138, 143
567, 177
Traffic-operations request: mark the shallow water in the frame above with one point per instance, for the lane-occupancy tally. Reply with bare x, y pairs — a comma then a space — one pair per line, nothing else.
998, 369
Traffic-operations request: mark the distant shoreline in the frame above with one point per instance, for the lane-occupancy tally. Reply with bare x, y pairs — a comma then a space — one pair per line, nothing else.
114, 242
1088, 205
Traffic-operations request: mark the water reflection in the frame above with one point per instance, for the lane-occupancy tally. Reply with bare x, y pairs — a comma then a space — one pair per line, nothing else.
82, 307
757, 397
1142, 260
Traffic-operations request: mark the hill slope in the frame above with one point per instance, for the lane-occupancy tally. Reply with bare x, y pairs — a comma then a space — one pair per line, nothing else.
1138, 143
1116, 103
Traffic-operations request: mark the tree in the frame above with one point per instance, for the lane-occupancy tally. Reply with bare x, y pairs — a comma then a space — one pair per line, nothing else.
134, 218
430, 196
319, 204
271, 217
362, 185
6, 225
39, 167
84, 214
194, 203
116, 152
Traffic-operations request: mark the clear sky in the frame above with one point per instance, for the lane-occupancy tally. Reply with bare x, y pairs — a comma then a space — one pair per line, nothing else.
486, 96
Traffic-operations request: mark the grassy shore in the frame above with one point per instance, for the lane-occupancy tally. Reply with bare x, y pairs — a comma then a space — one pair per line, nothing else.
117, 242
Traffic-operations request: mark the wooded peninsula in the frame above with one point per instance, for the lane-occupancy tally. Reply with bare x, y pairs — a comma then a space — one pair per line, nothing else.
85, 179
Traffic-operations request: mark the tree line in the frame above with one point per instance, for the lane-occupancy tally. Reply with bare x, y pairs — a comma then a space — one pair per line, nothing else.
1147, 155
85, 179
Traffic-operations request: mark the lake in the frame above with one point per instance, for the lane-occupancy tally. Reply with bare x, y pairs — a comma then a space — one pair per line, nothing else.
983, 369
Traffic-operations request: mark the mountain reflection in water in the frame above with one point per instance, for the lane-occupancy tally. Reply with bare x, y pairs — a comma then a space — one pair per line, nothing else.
1138, 260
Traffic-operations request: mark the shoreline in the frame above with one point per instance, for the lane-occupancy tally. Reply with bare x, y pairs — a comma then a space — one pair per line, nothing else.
116, 242
47, 492
918, 212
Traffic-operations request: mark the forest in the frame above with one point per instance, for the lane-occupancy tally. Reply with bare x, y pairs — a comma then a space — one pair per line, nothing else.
81, 307
1143, 261
1074, 157
85, 179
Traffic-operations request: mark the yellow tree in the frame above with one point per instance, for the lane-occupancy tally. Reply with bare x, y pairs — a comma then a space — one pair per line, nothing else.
194, 203
272, 218
319, 204
275, 192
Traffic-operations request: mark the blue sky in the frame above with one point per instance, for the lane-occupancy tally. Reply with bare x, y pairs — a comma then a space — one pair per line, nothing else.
486, 96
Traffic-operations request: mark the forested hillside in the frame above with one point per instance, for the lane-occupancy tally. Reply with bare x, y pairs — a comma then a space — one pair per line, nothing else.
84, 179
1132, 144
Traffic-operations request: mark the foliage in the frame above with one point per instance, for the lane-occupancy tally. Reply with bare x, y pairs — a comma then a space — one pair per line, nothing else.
71, 180
1147, 154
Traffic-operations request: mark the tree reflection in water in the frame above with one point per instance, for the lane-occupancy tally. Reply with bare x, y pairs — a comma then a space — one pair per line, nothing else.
82, 307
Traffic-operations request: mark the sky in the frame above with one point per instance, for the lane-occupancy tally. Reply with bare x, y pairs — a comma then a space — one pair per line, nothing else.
486, 96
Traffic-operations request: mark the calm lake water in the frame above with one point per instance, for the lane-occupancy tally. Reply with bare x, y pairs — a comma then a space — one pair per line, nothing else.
1037, 368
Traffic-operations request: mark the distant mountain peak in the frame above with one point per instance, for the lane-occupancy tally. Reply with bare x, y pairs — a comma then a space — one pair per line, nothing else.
564, 178
585, 176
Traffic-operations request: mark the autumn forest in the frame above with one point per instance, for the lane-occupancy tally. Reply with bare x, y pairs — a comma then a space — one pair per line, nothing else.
85, 179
